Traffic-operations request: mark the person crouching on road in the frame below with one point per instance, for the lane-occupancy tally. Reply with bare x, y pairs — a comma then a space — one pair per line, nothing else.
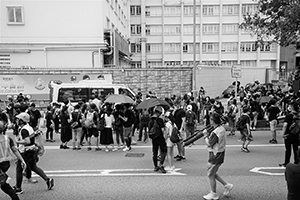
7, 145
216, 143
28, 149
157, 125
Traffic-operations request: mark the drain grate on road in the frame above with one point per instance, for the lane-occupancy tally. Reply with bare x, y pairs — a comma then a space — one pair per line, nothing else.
137, 155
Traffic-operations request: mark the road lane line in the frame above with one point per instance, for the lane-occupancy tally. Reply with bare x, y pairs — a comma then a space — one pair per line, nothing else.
195, 147
109, 172
260, 170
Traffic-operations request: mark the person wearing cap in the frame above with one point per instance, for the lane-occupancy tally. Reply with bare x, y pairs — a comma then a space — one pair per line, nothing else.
26, 144
8, 144
159, 141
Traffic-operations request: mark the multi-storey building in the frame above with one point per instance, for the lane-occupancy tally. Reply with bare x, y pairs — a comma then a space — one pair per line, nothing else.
162, 34
64, 34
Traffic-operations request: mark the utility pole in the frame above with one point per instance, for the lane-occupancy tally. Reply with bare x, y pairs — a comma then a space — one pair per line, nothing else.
194, 51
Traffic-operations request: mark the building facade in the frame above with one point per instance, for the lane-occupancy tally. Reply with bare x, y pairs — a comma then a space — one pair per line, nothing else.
64, 34
162, 35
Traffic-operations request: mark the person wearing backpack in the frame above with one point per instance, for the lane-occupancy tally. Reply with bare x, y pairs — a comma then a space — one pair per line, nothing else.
8, 145
90, 122
144, 120
190, 121
76, 124
156, 126
231, 115
243, 125
128, 121
290, 140
272, 113
169, 118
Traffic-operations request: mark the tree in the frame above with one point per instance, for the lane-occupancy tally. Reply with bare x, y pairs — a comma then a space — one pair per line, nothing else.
275, 21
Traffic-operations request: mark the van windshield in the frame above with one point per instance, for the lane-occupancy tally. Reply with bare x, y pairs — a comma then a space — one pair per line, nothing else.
73, 94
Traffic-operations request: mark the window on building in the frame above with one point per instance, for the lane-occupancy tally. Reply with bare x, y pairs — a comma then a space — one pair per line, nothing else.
172, 30
230, 9
172, 63
153, 29
135, 10
153, 11
136, 64
185, 48
172, 10
229, 47
248, 63
189, 10
228, 63
153, 48
189, 29
136, 29
211, 62
172, 48
248, 47
210, 47
211, 10
230, 28
210, 29
249, 8
135, 48
154, 64
15, 15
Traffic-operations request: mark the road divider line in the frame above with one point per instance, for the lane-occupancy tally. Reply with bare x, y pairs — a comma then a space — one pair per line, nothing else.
264, 170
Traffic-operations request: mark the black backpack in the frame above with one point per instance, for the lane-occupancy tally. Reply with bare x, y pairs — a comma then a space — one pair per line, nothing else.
154, 131
175, 136
240, 125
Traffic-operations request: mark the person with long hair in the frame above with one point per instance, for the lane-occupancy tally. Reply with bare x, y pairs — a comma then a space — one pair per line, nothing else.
106, 136
169, 125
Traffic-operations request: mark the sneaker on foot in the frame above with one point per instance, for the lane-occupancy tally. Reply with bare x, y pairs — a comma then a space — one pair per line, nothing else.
126, 149
156, 169
227, 188
50, 183
211, 196
162, 169
30, 180
89, 148
18, 190
245, 150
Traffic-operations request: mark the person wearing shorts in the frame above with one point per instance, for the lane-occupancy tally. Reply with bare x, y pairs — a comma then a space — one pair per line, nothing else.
273, 112
216, 144
246, 136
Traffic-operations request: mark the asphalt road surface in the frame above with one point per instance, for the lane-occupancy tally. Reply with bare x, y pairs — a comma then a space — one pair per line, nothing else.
95, 175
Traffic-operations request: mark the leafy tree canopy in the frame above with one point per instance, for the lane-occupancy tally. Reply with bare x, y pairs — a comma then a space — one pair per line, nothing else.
275, 21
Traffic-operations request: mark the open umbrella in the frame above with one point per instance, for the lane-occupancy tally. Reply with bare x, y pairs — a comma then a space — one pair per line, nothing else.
119, 98
148, 103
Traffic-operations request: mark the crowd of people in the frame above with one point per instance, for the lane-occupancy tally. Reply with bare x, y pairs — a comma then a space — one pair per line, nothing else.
94, 121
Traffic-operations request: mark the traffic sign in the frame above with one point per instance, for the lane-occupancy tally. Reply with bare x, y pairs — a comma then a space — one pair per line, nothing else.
236, 71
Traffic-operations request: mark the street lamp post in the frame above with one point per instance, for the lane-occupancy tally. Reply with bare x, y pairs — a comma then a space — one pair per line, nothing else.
194, 50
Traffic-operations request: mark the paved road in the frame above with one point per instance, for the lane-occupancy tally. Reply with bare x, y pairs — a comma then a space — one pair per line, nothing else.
101, 175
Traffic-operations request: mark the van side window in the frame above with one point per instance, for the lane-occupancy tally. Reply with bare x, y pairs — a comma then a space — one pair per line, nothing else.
72, 94
125, 91
102, 92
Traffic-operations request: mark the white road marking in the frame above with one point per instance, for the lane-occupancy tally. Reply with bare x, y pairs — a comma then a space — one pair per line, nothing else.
260, 170
194, 147
110, 172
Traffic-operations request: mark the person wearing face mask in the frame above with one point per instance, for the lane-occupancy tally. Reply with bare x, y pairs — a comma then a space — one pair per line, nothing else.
290, 140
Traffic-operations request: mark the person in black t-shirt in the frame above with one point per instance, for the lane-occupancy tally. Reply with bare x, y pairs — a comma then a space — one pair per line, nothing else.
180, 117
35, 116
273, 112
290, 140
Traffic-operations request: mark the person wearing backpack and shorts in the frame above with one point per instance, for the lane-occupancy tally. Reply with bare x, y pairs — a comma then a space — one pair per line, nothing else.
8, 145
190, 121
273, 112
156, 126
243, 125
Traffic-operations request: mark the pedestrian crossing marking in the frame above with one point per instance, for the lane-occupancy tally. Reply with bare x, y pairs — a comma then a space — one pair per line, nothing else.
264, 170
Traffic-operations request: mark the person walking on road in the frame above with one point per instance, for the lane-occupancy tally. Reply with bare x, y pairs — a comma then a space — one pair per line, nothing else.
273, 112
216, 143
243, 125
290, 140
7, 145
28, 149
156, 126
